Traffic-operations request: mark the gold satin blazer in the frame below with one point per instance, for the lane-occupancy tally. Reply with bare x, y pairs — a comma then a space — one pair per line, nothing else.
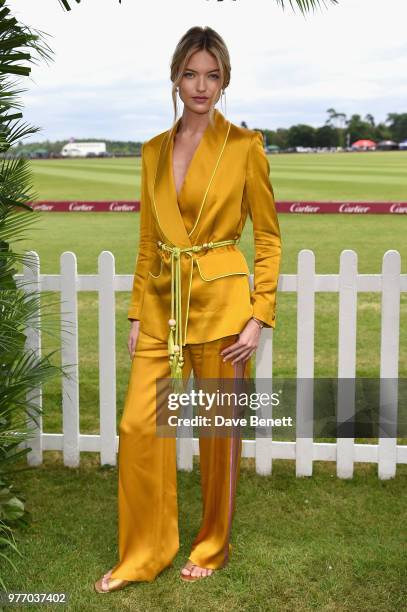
227, 179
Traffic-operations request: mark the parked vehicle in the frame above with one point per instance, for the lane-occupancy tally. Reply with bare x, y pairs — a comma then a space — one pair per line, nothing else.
84, 149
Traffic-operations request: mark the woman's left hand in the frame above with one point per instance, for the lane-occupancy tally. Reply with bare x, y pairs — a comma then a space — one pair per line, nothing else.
246, 344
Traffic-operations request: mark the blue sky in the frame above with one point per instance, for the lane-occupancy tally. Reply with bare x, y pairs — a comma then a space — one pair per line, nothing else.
110, 74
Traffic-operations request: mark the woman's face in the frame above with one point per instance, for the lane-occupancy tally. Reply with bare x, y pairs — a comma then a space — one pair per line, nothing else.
200, 84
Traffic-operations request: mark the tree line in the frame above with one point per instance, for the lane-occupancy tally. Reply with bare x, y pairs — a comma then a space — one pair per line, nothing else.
338, 130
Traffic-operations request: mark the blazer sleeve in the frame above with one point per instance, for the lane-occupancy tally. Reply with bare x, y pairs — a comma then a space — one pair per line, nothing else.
145, 248
259, 197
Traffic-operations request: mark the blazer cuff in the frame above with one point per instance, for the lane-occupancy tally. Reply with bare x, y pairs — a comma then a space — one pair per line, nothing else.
263, 313
134, 313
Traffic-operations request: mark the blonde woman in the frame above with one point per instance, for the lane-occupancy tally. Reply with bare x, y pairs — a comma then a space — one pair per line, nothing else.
192, 309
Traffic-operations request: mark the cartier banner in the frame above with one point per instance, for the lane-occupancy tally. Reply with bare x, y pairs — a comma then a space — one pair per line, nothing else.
354, 208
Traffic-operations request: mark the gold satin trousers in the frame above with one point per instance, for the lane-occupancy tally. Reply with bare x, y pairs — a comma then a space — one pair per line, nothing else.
147, 491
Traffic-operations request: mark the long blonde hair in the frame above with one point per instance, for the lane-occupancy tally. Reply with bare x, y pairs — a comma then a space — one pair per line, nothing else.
198, 39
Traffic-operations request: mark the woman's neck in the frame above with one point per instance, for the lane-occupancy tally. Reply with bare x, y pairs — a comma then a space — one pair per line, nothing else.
192, 123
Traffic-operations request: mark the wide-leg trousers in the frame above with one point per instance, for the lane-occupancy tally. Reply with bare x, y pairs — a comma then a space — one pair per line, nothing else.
147, 491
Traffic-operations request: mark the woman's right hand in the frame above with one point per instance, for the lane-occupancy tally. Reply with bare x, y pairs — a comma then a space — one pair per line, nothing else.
133, 335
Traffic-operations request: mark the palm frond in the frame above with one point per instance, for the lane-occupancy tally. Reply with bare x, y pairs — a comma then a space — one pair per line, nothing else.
14, 224
8, 260
15, 186
28, 373
22, 311
9, 93
22, 371
7, 540
66, 6
305, 6
11, 135
13, 453
14, 35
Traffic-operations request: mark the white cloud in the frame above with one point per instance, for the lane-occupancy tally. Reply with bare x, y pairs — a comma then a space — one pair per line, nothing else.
110, 75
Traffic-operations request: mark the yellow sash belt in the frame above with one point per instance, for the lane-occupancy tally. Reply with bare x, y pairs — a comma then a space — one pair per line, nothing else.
175, 339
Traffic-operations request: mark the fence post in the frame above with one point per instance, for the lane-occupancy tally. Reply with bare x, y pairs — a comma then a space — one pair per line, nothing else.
70, 359
345, 446
389, 358
185, 448
31, 275
264, 369
305, 361
107, 358
185, 444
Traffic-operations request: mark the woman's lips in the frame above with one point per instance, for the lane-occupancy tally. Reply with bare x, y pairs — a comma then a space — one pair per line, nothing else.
199, 99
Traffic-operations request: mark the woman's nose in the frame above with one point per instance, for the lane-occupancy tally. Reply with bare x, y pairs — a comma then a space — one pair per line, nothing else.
201, 84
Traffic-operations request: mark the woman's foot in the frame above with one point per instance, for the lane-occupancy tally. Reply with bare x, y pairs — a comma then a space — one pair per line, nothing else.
193, 572
104, 585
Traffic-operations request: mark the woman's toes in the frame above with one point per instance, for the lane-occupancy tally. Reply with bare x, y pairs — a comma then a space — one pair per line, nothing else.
196, 571
200, 571
187, 569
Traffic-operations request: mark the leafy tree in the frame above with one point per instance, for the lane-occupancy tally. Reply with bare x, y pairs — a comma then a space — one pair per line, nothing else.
383, 132
280, 138
357, 128
397, 123
326, 136
337, 120
301, 135
370, 119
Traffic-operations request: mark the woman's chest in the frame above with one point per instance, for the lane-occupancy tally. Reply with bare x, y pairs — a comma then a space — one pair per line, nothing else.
183, 154
209, 193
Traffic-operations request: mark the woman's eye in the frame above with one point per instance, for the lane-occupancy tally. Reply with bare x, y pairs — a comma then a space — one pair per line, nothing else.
188, 74
214, 76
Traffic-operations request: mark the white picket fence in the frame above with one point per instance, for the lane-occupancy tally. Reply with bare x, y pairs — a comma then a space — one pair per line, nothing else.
306, 283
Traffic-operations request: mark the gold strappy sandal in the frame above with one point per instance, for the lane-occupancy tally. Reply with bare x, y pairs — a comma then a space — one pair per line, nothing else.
188, 577
104, 585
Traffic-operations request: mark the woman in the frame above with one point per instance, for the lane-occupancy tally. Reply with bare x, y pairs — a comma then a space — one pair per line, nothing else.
192, 309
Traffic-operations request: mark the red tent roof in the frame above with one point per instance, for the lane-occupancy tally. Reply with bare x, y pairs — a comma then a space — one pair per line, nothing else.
363, 143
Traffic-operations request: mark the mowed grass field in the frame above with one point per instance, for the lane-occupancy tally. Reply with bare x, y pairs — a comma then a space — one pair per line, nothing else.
358, 176
377, 176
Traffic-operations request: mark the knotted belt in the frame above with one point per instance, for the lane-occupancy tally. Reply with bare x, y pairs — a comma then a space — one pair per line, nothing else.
175, 339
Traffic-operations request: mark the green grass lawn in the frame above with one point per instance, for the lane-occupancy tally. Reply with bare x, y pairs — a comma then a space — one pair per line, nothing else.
315, 543
378, 176
303, 544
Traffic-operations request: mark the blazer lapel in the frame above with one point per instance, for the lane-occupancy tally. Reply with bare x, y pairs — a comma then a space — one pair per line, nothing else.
195, 189
165, 198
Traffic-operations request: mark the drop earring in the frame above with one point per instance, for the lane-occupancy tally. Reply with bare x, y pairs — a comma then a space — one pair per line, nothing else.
223, 98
